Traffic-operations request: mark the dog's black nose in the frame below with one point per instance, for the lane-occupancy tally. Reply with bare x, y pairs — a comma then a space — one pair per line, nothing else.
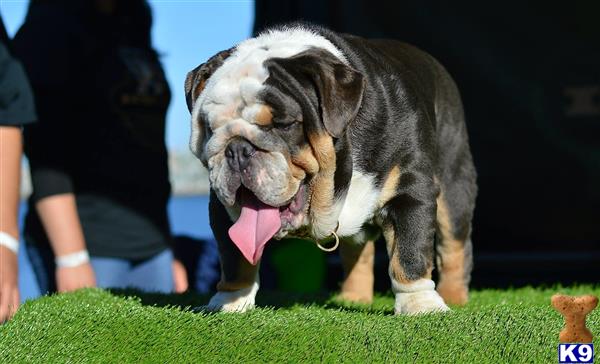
238, 154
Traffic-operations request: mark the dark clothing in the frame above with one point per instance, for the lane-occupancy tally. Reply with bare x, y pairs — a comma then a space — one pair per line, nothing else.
16, 99
102, 100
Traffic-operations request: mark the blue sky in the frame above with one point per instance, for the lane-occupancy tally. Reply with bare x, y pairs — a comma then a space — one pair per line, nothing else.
186, 33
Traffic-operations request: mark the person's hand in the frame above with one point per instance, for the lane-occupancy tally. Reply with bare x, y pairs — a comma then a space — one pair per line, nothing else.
180, 278
9, 288
72, 278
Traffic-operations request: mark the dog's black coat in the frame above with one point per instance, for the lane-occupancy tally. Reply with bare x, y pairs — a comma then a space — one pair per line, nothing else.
397, 124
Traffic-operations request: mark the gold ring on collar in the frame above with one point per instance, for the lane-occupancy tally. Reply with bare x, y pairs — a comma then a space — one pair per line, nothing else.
337, 241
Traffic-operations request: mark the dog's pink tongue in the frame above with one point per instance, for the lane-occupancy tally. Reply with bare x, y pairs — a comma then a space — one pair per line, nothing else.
257, 224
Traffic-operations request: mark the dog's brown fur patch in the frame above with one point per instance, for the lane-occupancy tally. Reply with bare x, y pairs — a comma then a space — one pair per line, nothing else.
396, 270
322, 147
357, 261
390, 186
264, 116
322, 185
305, 159
199, 87
297, 172
452, 285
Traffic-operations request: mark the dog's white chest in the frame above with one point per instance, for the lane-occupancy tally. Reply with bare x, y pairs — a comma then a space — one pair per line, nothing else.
360, 204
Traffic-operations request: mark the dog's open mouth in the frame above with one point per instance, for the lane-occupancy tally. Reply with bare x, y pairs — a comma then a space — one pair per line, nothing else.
259, 222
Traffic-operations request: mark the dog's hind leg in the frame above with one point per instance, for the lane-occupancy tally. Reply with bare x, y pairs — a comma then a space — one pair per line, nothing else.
454, 252
357, 260
456, 178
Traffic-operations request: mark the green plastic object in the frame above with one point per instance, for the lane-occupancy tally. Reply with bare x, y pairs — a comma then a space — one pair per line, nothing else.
300, 266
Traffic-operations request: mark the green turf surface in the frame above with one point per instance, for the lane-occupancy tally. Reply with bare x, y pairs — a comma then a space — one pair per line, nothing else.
517, 326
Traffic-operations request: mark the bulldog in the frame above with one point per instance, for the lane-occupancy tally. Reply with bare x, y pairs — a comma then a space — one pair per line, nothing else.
309, 133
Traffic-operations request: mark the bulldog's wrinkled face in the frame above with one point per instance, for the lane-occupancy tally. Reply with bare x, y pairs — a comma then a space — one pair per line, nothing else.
255, 147
259, 111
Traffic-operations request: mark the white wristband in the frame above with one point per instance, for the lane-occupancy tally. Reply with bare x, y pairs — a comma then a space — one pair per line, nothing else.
8, 241
72, 260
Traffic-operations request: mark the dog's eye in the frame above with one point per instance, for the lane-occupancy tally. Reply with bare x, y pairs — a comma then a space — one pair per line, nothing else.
285, 125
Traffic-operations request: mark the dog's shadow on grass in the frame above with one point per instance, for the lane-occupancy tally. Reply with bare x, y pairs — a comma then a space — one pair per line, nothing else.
272, 299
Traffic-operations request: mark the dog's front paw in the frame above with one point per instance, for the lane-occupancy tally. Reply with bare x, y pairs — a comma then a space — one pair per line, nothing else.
417, 298
241, 300
419, 302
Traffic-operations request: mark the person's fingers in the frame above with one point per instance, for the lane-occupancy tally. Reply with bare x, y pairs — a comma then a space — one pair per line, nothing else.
4, 301
88, 278
92, 279
16, 300
3, 315
180, 278
63, 279
60, 281
181, 284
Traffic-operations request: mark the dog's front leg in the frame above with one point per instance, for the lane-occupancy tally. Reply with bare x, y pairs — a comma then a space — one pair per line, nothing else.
236, 291
409, 227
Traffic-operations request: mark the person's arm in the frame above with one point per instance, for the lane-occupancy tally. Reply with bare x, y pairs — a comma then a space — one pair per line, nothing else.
50, 144
16, 108
61, 222
10, 169
50, 162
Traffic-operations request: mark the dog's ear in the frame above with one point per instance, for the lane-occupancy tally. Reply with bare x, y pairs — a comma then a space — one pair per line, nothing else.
196, 79
194, 84
340, 87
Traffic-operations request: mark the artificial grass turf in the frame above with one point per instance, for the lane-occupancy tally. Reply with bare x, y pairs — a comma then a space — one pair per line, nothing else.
92, 325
